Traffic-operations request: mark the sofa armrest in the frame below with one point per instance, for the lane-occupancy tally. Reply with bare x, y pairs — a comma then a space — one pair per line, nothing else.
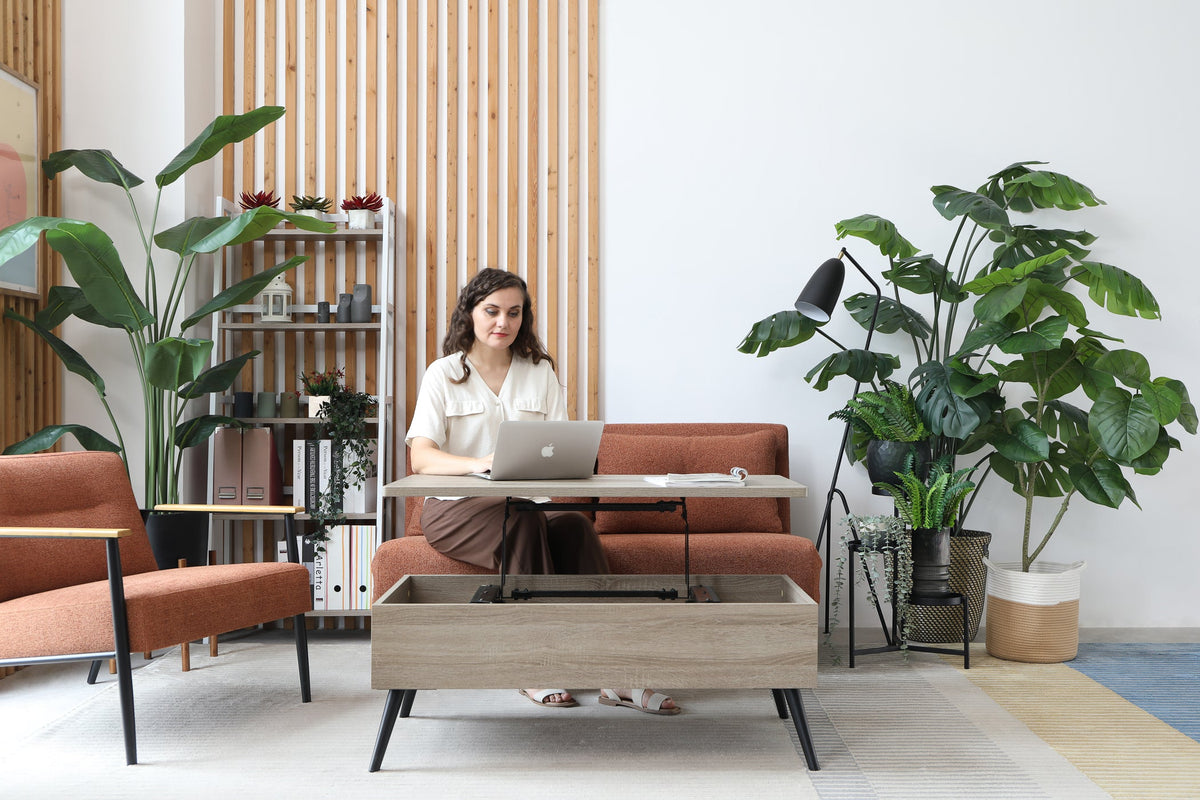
66, 533
229, 509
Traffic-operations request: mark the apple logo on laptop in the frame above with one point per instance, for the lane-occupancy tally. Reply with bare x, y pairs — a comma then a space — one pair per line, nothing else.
548, 451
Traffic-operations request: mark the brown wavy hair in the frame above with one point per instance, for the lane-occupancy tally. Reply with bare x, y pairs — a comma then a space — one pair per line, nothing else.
461, 333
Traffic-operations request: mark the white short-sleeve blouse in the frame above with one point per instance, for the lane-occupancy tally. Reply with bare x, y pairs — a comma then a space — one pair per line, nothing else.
464, 418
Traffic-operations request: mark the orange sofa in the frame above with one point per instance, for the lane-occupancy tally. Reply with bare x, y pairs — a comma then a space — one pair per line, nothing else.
732, 537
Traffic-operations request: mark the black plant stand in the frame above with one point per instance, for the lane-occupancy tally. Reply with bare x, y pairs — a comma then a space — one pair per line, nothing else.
892, 633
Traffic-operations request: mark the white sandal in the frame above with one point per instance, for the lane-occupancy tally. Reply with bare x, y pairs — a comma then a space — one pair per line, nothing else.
539, 698
652, 705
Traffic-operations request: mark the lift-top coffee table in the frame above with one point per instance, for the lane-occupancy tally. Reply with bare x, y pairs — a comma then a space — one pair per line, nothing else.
753, 631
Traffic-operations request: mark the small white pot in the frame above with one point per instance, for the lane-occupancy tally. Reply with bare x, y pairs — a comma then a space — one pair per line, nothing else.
1033, 616
315, 402
360, 219
309, 212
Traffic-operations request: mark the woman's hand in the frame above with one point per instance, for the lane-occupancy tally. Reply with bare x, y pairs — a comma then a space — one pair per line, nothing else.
428, 459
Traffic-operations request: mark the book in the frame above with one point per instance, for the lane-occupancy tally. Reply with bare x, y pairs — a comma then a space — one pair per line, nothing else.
299, 487
311, 474
735, 477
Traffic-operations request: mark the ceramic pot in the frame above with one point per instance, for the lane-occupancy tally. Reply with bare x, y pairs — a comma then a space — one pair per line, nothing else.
289, 405
885, 459
323, 311
360, 219
931, 561
243, 404
177, 534
315, 402
343, 307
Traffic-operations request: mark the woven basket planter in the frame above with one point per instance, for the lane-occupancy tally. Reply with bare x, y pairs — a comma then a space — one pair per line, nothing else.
1033, 616
968, 577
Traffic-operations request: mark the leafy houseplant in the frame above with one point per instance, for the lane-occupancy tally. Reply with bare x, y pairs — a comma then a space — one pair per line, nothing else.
171, 369
887, 427
344, 421
883, 544
1009, 363
322, 383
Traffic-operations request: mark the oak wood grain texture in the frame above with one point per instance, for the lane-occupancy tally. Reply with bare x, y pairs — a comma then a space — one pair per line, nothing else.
66, 533
230, 509
31, 48
427, 635
595, 486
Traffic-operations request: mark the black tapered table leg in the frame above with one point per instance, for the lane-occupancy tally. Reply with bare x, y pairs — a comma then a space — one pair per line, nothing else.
391, 707
407, 701
801, 722
301, 630
94, 671
780, 703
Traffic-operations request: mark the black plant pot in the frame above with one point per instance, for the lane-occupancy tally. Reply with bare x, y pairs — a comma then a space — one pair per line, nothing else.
931, 561
885, 459
177, 534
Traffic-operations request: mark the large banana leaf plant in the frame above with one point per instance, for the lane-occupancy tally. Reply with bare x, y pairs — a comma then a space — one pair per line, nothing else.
172, 369
1008, 361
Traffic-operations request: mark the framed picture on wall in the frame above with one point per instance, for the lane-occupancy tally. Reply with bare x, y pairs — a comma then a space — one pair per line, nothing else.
19, 182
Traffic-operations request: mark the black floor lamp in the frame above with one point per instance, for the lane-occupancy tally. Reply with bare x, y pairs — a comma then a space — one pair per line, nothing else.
817, 302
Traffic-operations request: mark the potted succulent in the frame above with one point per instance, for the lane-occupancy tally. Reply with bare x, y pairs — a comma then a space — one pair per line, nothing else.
360, 210
311, 206
1009, 366
250, 200
172, 369
888, 428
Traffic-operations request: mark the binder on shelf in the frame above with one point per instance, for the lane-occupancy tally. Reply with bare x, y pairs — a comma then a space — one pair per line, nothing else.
319, 578
336, 577
262, 482
299, 487
227, 466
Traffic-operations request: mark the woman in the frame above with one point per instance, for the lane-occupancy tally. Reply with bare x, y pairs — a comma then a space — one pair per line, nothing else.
494, 368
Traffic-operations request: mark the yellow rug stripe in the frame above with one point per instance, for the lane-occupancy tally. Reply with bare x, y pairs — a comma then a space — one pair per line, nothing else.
1127, 752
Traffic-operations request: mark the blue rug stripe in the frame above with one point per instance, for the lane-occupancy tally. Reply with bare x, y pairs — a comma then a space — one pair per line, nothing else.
1161, 679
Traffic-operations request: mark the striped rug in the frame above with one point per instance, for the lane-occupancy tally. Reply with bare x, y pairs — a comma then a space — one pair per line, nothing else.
1107, 713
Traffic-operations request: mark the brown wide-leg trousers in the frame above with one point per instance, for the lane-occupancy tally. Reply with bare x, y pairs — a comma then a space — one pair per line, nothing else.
538, 542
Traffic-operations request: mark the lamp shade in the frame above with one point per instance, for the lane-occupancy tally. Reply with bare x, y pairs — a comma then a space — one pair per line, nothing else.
821, 293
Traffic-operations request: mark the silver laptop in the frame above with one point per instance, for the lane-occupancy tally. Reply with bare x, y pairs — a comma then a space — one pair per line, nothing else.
545, 450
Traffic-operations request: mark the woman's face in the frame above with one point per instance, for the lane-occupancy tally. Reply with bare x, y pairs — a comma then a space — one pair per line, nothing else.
498, 317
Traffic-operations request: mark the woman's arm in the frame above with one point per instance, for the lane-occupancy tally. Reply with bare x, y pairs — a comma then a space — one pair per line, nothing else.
428, 459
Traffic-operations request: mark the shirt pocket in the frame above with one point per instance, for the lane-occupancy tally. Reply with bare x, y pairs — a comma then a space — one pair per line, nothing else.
463, 408
529, 408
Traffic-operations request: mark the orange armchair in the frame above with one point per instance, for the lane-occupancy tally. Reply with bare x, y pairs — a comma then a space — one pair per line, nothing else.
78, 580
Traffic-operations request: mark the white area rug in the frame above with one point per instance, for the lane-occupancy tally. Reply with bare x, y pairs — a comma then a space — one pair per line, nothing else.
234, 727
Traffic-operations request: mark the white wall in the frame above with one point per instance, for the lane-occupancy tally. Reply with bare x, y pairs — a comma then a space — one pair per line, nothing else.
128, 69
734, 137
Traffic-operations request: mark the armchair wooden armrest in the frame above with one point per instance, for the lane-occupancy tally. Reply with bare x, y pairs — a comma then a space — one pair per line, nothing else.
66, 533
229, 509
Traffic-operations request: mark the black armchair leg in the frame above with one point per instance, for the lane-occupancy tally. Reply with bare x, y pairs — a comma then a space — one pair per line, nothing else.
94, 671
302, 657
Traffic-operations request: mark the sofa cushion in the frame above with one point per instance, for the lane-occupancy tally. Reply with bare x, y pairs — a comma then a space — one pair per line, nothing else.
658, 455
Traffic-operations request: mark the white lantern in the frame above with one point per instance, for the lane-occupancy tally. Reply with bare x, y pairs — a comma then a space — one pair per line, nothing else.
277, 301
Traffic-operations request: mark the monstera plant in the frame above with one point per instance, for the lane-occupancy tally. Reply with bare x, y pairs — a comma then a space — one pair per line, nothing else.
171, 368
1010, 360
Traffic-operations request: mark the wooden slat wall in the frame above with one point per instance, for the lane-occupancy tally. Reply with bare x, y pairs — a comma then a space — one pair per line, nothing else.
414, 78
30, 46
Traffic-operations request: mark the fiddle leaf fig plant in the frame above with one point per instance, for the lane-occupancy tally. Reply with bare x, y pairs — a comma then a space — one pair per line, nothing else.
172, 368
1010, 360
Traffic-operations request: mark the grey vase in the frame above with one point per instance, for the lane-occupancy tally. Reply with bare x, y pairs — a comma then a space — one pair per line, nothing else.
343, 309
360, 305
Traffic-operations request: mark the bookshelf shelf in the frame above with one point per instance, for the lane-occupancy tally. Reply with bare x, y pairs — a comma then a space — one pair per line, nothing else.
364, 350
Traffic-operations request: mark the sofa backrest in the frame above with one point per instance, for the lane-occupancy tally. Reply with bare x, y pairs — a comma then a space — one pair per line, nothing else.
66, 490
653, 447
659, 448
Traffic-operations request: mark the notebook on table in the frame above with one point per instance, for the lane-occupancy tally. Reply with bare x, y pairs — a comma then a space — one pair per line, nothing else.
545, 450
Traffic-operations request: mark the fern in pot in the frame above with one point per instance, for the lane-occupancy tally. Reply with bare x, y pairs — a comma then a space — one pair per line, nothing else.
887, 429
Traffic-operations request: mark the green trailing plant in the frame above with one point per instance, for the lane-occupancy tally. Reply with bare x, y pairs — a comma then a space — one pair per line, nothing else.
172, 369
889, 414
1010, 364
307, 203
343, 420
369, 202
932, 503
885, 560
